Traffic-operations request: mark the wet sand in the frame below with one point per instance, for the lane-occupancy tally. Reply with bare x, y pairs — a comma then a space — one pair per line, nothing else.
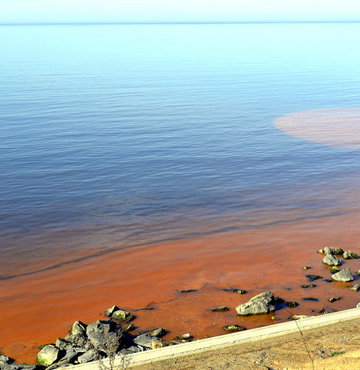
37, 309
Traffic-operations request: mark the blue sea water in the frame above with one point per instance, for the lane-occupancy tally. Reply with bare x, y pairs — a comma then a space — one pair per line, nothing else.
113, 136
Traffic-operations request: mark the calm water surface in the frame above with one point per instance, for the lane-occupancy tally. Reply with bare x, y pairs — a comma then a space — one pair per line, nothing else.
113, 136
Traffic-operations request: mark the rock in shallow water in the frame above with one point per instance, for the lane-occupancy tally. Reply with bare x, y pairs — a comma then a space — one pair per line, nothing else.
48, 355
348, 255
260, 304
331, 260
343, 275
233, 328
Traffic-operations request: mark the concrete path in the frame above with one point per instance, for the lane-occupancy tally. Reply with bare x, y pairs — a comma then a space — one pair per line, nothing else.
223, 341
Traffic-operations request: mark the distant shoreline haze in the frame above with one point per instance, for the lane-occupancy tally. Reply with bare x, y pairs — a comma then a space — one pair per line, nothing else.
177, 23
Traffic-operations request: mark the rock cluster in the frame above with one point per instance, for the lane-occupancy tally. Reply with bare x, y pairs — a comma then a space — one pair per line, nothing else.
104, 338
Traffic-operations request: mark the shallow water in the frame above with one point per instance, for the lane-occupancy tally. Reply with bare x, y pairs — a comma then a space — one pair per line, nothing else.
114, 137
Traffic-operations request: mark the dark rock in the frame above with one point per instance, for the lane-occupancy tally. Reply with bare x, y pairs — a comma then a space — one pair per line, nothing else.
105, 336
311, 299
147, 308
293, 304
220, 309
233, 328
306, 267
308, 286
348, 255
313, 277
323, 310
355, 287
334, 299
48, 355
109, 312
235, 290
343, 275
260, 304
331, 260
327, 280
188, 290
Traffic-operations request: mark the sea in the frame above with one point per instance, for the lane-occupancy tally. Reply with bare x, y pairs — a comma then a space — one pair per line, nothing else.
115, 137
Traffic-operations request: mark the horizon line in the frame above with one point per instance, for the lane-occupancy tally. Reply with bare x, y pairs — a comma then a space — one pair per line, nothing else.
176, 22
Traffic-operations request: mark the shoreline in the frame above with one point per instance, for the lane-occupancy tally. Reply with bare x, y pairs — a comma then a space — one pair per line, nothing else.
37, 310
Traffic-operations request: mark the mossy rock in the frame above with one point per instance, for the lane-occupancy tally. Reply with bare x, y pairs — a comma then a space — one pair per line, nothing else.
334, 270
293, 304
123, 316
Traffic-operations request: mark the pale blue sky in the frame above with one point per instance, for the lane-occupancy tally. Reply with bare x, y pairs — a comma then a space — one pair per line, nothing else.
14, 11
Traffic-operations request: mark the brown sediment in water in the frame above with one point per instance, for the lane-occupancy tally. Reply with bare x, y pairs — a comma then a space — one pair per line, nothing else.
39, 308
336, 126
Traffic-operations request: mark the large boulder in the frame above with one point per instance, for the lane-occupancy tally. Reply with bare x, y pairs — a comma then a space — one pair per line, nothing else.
48, 355
261, 303
343, 275
105, 336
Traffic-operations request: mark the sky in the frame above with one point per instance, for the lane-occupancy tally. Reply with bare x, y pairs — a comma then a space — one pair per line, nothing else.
59, 11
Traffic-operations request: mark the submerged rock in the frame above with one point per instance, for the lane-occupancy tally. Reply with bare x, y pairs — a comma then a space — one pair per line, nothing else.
48, 355
355, 287
233, 328
299, 317
343, 276
220, 309
348, 255
235, 290
260, 304
334, 299
313, 277
307, 286
188, 291
310, 299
